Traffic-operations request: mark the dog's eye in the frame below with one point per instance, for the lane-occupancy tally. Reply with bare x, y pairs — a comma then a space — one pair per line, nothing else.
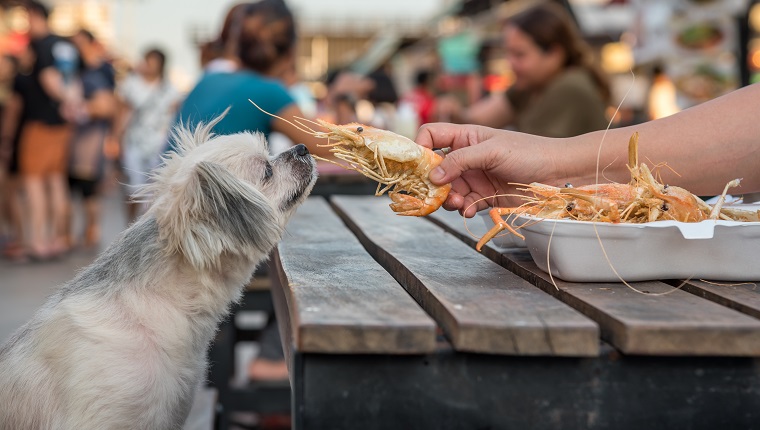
268, 172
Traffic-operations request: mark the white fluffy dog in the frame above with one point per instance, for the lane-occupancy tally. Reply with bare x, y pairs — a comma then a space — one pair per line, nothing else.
123, 345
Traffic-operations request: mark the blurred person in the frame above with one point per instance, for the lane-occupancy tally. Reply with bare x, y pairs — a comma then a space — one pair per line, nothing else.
558, 90
221, 54
304, 99
14, 115
347, 88
383, 90
266, 51
421, 97
344, 89
148, 102
9, 108
343, 109
87, 161
299, 90
384, 99
45, 135
8, 69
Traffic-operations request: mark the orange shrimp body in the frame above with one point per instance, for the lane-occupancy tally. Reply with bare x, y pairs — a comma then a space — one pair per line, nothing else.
400, 166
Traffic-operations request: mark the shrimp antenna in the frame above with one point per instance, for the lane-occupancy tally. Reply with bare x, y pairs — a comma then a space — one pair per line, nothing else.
298, 120
298, 127
312, 122
609, 124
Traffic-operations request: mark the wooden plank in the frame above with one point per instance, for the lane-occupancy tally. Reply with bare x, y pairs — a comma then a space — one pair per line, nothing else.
339, 299
481, 306
744, 298
674, 324
284, 318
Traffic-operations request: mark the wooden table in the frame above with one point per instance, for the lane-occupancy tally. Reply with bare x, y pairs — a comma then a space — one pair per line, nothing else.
393, 322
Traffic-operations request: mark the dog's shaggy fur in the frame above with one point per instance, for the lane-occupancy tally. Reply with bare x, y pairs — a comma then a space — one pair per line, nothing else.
123, 345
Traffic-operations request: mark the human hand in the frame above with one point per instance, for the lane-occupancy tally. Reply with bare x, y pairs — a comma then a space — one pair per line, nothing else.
484, 163
74, 112
73, 107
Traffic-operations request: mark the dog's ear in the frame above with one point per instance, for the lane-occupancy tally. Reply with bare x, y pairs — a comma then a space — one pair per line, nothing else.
213, 212
185, 138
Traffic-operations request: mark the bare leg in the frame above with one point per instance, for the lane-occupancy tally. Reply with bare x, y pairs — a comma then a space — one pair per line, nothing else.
5, 204
37, 210
60, 214
15, 249
92, 221
68, 224
15, 207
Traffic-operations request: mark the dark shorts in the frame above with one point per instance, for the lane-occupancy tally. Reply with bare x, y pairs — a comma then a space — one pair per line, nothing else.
85, 187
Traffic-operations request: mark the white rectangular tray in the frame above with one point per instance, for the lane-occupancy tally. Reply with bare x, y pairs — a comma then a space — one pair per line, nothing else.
717, 250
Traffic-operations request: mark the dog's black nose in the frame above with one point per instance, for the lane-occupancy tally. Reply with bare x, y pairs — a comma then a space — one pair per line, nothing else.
301, 149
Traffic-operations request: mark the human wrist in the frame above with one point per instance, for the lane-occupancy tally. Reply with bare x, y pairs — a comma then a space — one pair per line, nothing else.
563, 162
590, 158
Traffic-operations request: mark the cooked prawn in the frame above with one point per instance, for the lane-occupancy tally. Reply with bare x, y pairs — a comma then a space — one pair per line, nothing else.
400, 166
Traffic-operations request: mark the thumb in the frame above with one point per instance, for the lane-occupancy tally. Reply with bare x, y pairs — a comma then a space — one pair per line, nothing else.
457, 162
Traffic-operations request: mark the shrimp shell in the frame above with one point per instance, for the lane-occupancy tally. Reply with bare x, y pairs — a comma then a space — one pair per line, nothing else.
400, 166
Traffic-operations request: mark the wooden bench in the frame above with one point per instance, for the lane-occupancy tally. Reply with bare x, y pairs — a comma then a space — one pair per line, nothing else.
396, 322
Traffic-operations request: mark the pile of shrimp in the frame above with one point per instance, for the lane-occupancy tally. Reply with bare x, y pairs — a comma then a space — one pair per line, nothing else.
643, 199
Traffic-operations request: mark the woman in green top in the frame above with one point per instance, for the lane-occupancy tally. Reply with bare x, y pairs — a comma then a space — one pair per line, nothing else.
266, 49
557, 91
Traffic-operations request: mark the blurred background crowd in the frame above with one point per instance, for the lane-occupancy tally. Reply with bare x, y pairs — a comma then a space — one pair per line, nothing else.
90, 89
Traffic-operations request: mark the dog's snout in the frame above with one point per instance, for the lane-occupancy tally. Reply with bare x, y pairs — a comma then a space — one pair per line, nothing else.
301, 149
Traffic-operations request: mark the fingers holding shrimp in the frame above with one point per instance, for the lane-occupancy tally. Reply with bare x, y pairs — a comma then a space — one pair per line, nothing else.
483, 163
454, 136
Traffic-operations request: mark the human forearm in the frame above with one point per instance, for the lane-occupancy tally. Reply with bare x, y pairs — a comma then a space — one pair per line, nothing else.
705, 146
51, 81
123, 116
